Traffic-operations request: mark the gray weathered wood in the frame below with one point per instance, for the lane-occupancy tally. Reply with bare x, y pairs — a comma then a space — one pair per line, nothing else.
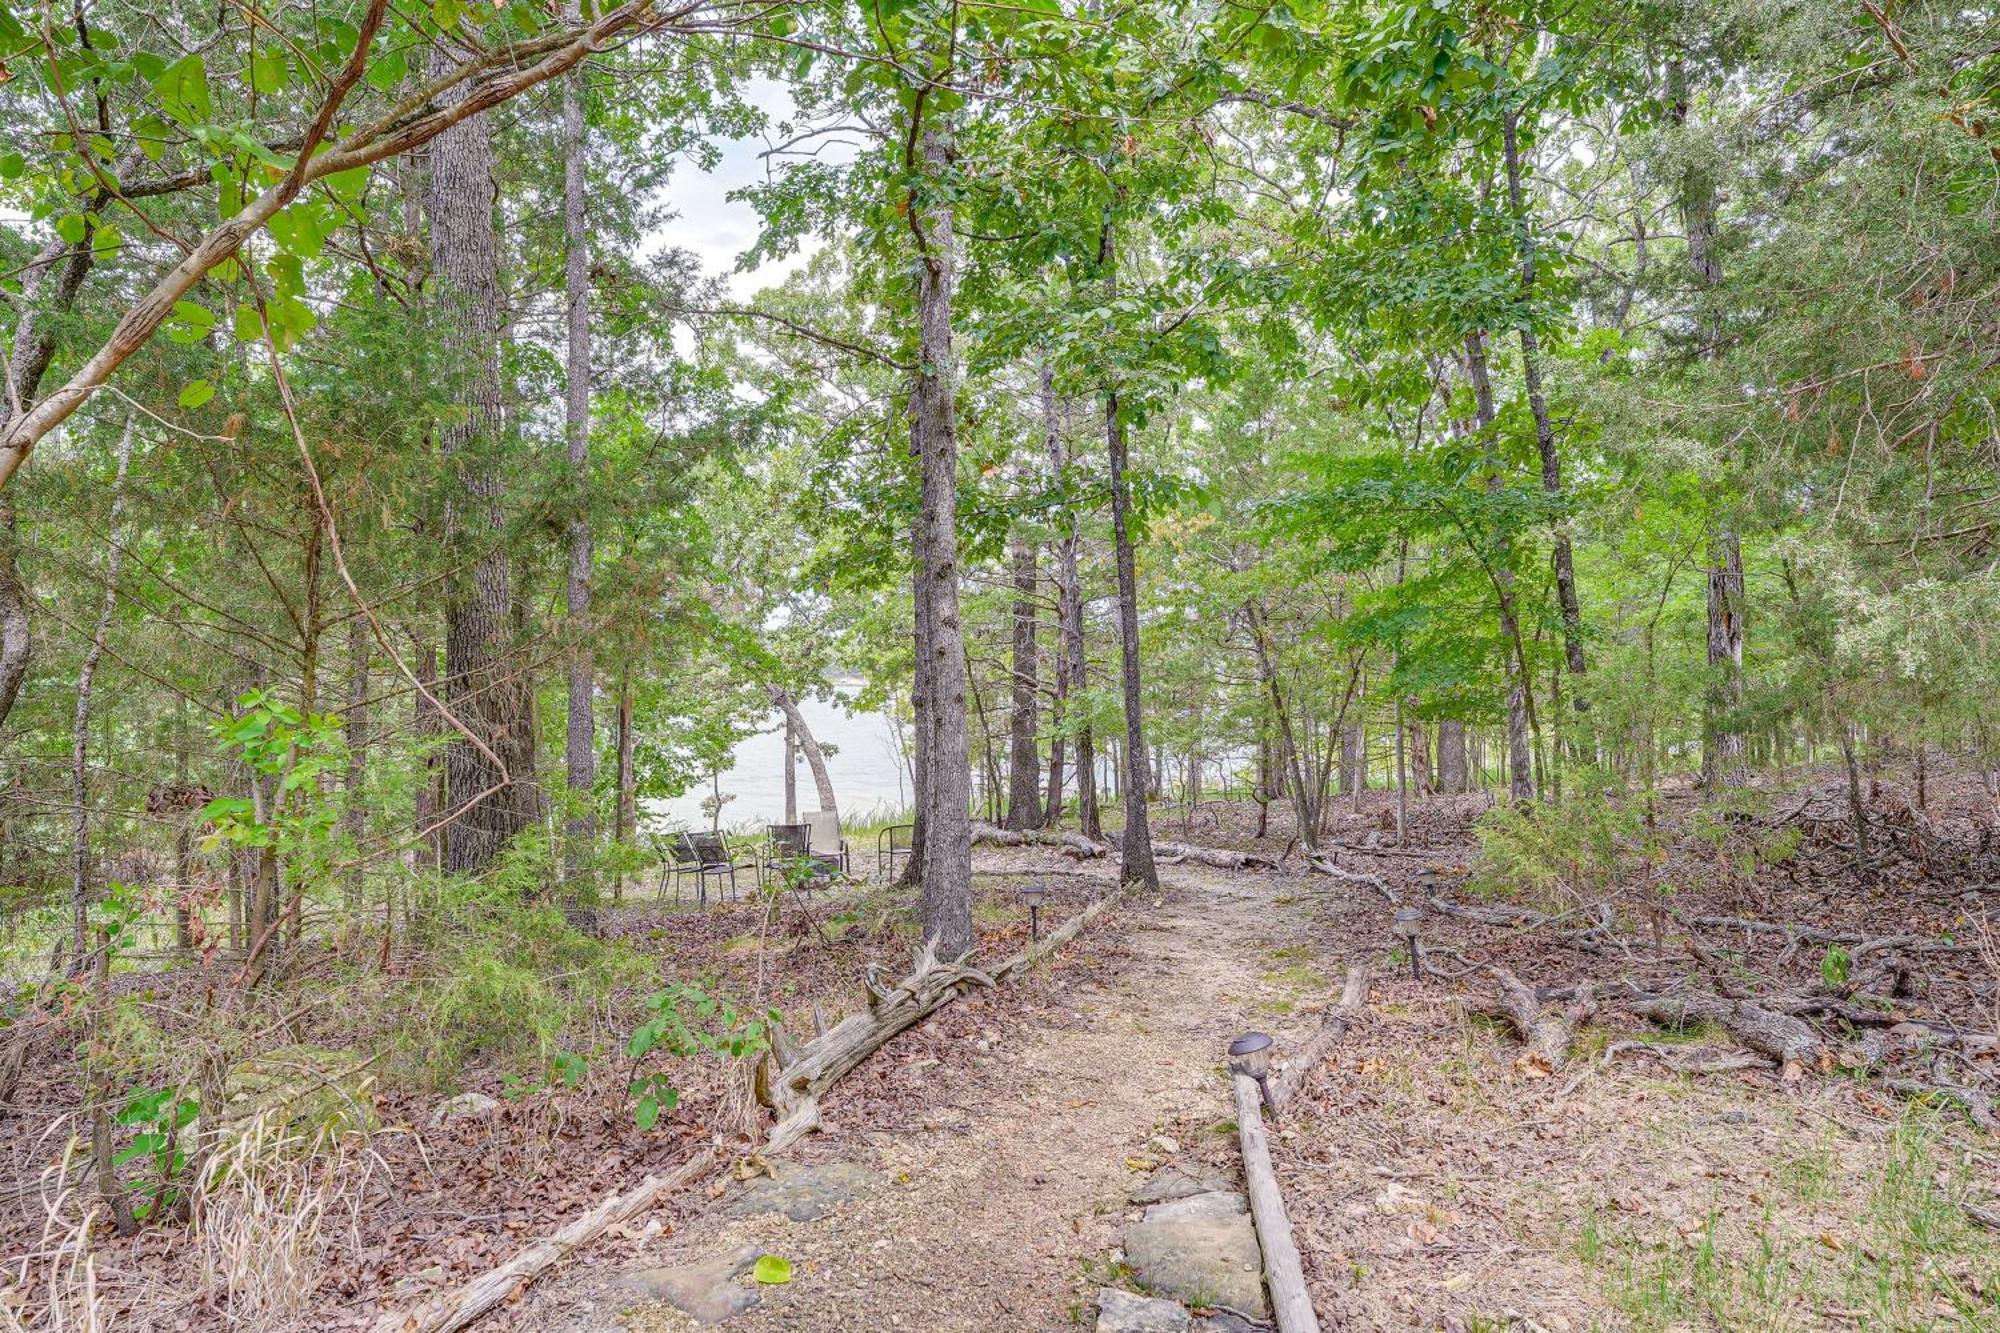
1284, 1274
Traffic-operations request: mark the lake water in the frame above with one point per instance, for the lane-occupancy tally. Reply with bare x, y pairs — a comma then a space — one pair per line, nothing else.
867, 768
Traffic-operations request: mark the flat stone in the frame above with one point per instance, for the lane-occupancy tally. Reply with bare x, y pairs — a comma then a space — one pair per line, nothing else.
1177, 1182
1122, 1312
802, 1193
465, 1104
707, 1292
1206, 1254
1213, 1205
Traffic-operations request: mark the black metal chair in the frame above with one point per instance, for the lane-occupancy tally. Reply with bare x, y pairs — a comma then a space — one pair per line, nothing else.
787, 844
677, 858
713, 853
890, 843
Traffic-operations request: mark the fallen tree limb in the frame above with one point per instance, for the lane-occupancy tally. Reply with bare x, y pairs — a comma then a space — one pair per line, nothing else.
1978, 1107
1375, 882
1549, 1033
1221, 859
1981, 1216
461, 1308
1284, 1274
1072, 844
1788, 1040
1285, 1084
1683, 1062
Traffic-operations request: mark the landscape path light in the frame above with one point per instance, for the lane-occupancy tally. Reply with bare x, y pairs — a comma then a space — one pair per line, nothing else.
1032, 896
1408, 920
1251, 1054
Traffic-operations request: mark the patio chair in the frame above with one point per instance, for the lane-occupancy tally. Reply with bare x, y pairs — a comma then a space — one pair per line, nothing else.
787, 843
677, 858
713, 853
827, 846
890, 843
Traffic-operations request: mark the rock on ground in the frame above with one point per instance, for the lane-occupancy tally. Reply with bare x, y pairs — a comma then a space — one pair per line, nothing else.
1201, 1249
1178, 1182
802, 1193
1122, 1312
708, 1292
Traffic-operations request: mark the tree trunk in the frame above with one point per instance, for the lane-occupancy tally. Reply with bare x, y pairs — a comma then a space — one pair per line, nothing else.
1138, 864
947, 855
1545, 437
33, 347
795, 725
1305, 796
1520, 754
491, 785
79, 755
353, 819
920, 663
1722, 740
791, 771
427, 727
580, 731
1451, 757
627, 818
1075, 662
1421, 773
1024, 778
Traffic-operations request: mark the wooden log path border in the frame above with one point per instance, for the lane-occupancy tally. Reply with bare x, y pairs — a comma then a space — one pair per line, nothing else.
792, 1091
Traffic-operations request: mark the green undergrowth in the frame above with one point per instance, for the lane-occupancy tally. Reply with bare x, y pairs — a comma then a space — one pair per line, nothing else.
1900, 1254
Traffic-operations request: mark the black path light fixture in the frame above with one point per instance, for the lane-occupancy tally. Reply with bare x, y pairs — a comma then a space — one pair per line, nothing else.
1251, 1054
1032, 896
1408, 921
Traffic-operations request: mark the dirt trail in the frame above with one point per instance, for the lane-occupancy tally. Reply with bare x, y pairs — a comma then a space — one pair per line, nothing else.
1002, 1212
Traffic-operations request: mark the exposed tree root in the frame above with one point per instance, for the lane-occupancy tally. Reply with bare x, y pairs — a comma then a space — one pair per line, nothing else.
1978, 1107
1685, 1062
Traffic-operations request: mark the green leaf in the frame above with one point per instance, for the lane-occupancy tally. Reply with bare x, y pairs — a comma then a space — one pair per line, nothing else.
387, 72
267, 71
183, 89
647, 1113
348, 186
106, 242
72, 228
196, 393
11, 166
248, 327
773, 1271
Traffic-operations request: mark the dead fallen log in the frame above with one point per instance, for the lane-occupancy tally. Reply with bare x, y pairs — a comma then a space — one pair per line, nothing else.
1981, 1216
1282, 1086
1788, 1040
1220, 858
1072, 844
1686, 1062
1284, 1274
1548, 1032
1375, 882
460, 1308
1978, 1107
793, 1092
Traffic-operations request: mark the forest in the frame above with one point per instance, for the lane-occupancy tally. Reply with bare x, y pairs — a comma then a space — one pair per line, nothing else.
1429, 569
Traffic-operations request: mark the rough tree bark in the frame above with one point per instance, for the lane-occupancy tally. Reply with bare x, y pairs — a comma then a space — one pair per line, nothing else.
1024, 778
79, 755
353, 817
627, 818
1069, 595
1538, 405
1451, 758
1520, 755
491, 803
947, 798
1137, 867
580, 730
920, 663
1722, 756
